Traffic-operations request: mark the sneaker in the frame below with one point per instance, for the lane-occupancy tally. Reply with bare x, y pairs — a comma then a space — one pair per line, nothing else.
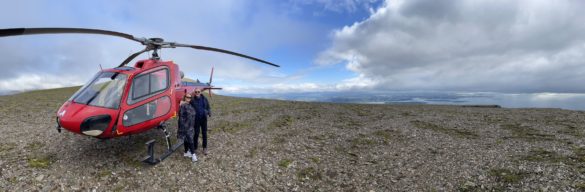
194, 158
187, 154
204, 151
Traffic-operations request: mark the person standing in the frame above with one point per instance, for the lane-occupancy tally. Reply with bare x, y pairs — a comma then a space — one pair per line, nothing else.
186, 123
202, 111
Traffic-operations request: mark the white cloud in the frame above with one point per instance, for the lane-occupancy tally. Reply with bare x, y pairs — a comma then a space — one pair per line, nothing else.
278, 88
360, 82
339, 5
251, 28
547, 97
485, 45
350, 84
31, 82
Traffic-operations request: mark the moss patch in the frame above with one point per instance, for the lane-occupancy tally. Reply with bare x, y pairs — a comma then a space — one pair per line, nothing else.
387, 135
41, 162
133, 162
459, 133
526, 133
12, 180
309, 173
7, 147
351, 124
280, 122
119, 188
285, 163
315, 159
579, 154
571, 130
575, 160
358, 110
104, 173
252, 152
322, 137
541, 155
468, 187
279, 140
34, 145
580, 186
231, 127
507, 176
361, 141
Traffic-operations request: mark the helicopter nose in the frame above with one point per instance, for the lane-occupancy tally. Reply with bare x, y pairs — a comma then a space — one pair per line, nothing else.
96, 125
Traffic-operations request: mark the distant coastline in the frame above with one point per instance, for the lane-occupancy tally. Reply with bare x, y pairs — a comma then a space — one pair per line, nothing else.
3, 93
570, 101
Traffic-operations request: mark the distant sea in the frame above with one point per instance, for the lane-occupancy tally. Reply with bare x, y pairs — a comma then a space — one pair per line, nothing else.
572, 101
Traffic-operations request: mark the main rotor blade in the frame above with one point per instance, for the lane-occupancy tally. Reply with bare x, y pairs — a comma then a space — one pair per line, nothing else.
151, 44
36, 31
133, 56
224, 51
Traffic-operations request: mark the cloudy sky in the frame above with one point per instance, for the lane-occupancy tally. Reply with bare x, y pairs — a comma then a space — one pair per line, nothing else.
524, 46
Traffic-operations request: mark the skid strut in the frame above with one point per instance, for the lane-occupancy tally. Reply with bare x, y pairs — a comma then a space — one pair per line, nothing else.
58, 125
150, 158
167, 136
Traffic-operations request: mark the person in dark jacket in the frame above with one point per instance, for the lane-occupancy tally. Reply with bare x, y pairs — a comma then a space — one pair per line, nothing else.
186, 123
202, 111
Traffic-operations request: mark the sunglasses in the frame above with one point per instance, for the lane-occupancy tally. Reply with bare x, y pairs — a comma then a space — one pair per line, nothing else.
197, 91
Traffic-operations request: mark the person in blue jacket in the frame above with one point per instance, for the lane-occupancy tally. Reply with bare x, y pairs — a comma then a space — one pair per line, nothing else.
185, 131
202, 111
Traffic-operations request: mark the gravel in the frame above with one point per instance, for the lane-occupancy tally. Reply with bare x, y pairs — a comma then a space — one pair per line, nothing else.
268, 145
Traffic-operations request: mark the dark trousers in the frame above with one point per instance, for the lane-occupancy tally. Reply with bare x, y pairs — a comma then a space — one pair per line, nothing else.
200, 126
189, 145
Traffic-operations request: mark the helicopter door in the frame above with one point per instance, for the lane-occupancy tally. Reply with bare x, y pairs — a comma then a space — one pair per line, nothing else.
147, 101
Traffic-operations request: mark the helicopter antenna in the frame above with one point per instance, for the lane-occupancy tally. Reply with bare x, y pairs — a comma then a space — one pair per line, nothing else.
152, 44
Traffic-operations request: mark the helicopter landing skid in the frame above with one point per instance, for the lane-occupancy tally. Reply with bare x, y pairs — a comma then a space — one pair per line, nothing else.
150, 158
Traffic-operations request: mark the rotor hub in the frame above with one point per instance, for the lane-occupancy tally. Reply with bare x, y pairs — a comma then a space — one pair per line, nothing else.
157, 40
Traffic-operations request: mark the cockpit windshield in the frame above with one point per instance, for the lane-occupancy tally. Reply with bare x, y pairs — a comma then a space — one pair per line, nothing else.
104, 90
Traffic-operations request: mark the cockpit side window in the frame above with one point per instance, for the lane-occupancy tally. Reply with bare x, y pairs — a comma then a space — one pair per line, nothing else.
148, 84
140, 86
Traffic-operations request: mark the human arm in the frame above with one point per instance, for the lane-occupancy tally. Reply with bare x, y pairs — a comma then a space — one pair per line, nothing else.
208, 107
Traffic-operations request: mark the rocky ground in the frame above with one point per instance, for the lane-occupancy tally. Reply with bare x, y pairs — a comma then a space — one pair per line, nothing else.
268, 145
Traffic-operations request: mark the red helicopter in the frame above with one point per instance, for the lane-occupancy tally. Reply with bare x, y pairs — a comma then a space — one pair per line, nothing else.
128, 100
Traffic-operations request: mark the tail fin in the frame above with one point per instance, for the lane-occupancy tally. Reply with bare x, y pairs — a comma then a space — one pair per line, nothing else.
211, 76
